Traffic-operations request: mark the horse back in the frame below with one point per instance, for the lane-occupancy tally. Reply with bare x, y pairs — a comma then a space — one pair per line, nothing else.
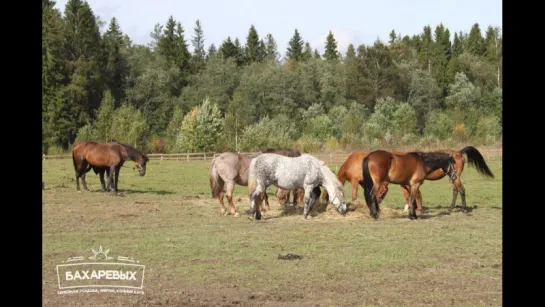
101, 155
352, 167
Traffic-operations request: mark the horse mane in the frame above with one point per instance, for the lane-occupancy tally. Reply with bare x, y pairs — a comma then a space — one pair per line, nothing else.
432, 159
330, 176
133, 153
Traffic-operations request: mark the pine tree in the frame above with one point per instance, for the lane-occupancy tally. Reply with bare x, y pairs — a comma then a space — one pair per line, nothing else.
262, 52
426, 49
156, 36
271, 49
307, 54
166, 45
295, 47
457, 47
475, 41
116, 65
252, 48
83, 52
199, 53
52, 73
182, 55
211, 51
228, 49
392, 37
351, 52
317, 55
331, 47
493, 50
239, 55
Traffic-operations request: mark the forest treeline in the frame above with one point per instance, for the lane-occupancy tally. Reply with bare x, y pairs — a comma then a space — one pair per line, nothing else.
178, 94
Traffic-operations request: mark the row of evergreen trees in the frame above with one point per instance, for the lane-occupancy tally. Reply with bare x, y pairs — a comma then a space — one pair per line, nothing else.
168, 96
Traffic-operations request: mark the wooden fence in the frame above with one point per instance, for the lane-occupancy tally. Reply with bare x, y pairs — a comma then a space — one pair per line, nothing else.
335, 157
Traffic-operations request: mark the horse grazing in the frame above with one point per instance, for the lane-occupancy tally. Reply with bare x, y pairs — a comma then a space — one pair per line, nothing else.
304, 171
230, 168
105, 157
474, 158
284, 195
408, 169
352, 171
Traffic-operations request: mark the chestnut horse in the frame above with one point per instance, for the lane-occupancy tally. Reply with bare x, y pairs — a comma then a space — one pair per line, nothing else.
408, 169
230, 168
101, 170
107, 157
351, 170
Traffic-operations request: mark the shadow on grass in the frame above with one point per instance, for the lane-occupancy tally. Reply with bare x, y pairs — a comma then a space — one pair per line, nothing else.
291, 209
156, 192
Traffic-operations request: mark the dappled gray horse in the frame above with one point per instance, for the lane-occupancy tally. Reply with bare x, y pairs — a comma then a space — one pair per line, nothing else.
305, 172
230, 168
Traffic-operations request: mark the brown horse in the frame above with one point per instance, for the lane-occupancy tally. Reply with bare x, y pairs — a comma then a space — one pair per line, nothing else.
107, 157
351, 170
409, 169
474, 158
230, 168
101, 170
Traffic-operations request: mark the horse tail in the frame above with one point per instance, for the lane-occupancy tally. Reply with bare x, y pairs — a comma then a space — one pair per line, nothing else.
475, 159
74, 159
214, 179
368, 185
252, 182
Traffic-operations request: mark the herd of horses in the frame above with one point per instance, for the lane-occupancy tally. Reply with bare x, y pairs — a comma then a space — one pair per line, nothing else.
301, 175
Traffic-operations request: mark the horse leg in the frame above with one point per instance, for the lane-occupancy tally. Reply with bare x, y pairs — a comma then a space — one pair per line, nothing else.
83, 181
301, 193
111, 179
256, 198
229, 189
412, 200
102, 183
406, 193
460, 188
266, 199
419, 201
310, 197
117, 170
77, 178
355, 184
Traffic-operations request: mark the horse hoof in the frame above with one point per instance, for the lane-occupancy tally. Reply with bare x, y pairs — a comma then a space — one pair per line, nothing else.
308, 217
236, 214
406, 209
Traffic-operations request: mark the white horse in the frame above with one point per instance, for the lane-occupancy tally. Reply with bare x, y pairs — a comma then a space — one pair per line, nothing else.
305, 172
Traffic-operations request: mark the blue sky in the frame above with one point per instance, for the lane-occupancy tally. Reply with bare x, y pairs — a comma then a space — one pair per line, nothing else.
356, 21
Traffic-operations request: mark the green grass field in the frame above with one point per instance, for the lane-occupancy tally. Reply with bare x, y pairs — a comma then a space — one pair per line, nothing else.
195, 256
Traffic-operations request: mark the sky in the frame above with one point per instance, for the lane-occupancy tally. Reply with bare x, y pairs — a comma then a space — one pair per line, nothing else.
357, 21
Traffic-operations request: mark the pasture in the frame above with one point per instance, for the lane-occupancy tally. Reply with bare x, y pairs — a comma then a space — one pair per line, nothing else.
195, 256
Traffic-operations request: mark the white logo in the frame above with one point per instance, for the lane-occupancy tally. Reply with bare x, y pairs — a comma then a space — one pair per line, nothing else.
123, 276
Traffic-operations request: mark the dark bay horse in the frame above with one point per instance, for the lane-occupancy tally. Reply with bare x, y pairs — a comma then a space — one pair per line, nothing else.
409, 169
474, 158
351, 170
105, 157
230, 168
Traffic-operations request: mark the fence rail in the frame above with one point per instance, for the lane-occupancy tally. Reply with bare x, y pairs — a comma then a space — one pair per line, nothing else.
335, 157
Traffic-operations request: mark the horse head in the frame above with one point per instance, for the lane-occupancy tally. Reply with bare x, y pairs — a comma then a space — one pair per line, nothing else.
140, 164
